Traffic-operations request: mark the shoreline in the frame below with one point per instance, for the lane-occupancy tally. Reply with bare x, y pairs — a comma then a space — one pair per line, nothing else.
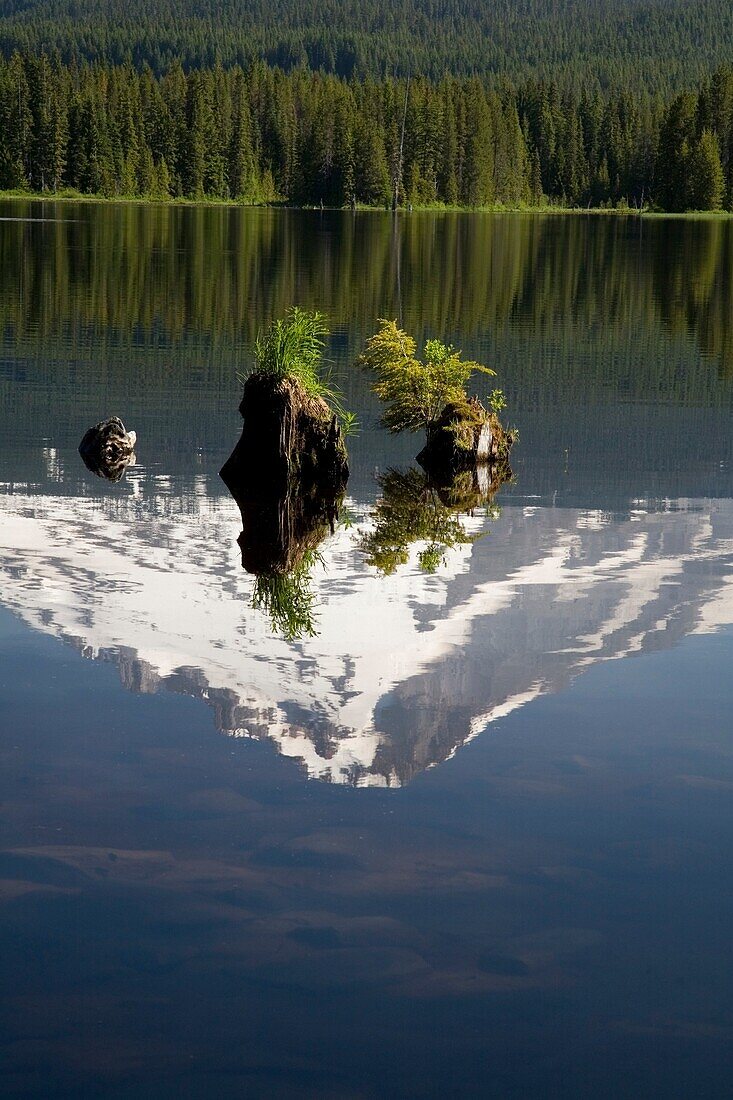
431, 208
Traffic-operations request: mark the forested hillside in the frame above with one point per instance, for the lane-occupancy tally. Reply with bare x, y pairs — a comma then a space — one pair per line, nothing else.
660, 45
308, 138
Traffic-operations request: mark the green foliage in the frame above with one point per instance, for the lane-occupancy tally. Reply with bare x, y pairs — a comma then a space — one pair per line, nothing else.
632, 42
415, 392
288, 599
706, 181
349, 423
497, 401
292, 347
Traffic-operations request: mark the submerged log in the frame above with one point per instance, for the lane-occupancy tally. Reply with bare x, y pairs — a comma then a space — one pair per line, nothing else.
108, 449
465, 435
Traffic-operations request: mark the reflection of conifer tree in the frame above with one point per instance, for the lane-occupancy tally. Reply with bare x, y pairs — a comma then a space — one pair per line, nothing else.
411, 510
649, 278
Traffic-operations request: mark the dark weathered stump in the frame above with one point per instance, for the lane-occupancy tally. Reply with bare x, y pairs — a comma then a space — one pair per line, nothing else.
108, 449
287, 434
287, 473
465, 435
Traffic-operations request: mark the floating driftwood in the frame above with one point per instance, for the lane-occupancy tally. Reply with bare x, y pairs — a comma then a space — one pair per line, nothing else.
288, 474
108, 449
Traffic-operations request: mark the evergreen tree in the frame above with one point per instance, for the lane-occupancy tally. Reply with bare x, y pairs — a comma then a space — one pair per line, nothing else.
706, 181
478, 173
16, 123
242, 172
371, 175
310, 137
676, 140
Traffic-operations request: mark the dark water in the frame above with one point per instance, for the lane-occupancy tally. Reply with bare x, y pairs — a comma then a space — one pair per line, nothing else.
474, 837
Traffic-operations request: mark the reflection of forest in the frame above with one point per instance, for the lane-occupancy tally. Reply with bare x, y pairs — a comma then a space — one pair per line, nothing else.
611, 336
140, 272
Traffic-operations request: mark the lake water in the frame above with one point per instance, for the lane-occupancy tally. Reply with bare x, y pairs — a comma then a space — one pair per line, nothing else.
474, 837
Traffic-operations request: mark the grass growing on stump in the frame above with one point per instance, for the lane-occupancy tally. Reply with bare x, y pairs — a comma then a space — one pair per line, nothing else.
292, 348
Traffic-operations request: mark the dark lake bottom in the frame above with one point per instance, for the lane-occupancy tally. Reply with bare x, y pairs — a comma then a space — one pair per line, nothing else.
474, 836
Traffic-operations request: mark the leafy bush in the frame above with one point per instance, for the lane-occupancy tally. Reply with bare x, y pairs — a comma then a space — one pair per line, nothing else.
414, 392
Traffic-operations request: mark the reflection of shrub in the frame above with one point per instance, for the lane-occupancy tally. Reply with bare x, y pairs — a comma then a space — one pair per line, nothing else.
415, 392
410, 510
288, 599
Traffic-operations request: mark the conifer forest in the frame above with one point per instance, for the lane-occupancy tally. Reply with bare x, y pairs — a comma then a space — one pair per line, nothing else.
263, 133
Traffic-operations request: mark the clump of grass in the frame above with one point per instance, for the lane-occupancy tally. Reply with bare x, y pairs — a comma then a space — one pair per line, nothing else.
415, 391
292, 347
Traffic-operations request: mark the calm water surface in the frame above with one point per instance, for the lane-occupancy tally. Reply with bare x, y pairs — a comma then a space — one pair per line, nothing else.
475, 836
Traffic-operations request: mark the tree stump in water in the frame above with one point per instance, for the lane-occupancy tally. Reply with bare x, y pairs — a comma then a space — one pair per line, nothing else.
464, 435
287, 473
286, 434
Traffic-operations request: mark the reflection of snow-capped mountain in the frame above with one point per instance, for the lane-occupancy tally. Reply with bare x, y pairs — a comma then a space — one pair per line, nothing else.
406, 668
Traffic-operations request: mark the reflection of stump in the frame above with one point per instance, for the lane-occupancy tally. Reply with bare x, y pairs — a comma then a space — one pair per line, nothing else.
279, 529
472, 487
287, 473
108, 449
465, 435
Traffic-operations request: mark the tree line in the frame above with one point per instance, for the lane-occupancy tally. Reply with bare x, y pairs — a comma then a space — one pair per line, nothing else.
660, 45
309, 138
